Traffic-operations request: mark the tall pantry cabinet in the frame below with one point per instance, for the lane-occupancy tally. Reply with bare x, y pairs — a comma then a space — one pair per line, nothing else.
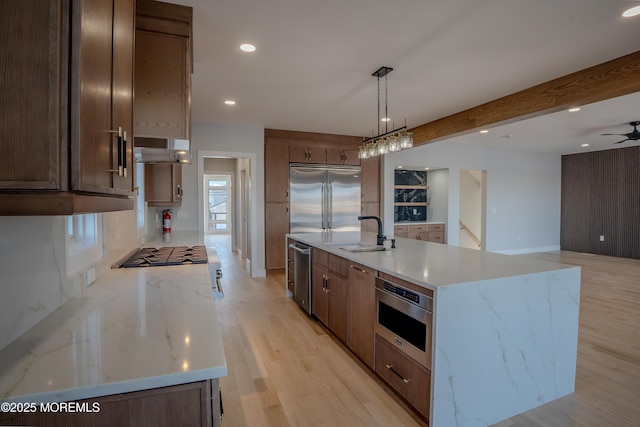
67, 111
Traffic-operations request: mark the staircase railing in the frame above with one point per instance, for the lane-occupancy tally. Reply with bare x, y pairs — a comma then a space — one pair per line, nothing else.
473, 236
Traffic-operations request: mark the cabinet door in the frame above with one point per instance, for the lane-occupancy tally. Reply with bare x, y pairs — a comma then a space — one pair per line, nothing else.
300, 154
370, 208
276, 183
122, 92
337, 289
370, 179
162, 77
34, 108
94, 140
338, 156
319, 296
362, 312
163, 184
276, 227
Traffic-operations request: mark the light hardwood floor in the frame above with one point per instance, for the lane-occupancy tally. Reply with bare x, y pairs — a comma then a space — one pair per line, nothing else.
286, 370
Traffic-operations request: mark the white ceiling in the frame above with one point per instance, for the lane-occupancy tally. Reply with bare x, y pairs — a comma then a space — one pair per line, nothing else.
314, 59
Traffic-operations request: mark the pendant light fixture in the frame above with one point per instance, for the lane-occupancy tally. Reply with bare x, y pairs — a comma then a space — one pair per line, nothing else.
386, 141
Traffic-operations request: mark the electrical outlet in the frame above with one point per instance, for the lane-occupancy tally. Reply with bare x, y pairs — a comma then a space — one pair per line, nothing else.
602, 238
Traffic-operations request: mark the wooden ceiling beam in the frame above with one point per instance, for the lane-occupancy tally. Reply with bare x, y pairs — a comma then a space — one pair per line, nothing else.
610, 79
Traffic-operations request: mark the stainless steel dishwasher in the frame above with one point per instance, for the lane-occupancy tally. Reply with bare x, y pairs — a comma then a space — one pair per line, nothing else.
302, 275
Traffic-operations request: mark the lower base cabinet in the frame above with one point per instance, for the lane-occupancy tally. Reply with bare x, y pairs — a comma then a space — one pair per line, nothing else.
193, 404
406, 376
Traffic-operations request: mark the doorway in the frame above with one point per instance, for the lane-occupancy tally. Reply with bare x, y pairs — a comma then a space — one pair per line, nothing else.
472, 208
218, 203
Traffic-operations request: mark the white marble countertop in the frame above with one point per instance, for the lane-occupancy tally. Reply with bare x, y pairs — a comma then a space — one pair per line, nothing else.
428, 264
132, 329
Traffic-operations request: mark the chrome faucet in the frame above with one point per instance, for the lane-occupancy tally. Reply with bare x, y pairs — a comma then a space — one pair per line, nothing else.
380, 238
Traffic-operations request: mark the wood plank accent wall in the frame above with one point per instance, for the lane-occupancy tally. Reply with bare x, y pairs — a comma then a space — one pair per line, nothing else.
601, 196
611, 79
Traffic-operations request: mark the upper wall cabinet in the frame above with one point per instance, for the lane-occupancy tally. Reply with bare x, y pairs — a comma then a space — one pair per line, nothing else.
66, 116
163, 70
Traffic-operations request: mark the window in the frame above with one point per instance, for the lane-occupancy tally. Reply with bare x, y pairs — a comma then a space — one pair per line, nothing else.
218, 190
83, 242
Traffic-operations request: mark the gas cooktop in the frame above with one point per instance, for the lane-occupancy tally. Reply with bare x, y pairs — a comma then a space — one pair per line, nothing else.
169, 255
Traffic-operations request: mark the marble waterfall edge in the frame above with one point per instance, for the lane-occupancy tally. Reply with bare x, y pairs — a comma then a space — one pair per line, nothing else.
515, 336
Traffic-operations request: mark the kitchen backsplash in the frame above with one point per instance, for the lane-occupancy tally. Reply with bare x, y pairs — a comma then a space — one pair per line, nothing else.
33, 265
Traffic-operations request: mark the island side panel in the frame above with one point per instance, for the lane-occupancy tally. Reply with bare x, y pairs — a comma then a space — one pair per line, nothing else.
504, 346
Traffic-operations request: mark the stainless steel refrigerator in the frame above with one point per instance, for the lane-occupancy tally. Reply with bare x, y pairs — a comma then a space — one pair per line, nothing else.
324, 198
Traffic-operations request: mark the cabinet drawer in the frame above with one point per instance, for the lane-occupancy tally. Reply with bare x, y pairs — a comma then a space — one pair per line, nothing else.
338, 264
400, 229
418, 228
436, 236
403, 374
319, 256
436, 227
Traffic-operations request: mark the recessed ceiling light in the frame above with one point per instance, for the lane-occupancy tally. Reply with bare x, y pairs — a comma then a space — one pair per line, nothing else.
484, 131
584, 145
230, 102
631, 12
400, 167
385, 119
574, 109
247, 47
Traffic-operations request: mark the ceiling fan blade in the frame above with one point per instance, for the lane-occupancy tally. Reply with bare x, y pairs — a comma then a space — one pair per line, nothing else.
620, 142
617, 134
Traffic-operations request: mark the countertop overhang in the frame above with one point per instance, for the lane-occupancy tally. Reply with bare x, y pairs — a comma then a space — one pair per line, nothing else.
132, 329
431, 265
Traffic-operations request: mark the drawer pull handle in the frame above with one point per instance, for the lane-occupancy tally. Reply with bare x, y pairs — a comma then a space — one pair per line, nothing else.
390, 367
358, 269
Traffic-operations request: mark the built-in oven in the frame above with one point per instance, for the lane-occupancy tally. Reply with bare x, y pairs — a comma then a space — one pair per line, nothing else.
405, 319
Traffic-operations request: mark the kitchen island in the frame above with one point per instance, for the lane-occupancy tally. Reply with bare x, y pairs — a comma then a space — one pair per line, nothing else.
134, 330
505, 327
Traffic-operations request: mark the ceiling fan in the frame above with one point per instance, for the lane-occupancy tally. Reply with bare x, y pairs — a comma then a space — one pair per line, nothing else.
631, 136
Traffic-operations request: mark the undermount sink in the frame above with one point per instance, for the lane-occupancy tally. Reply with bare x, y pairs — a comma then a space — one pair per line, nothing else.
362, 247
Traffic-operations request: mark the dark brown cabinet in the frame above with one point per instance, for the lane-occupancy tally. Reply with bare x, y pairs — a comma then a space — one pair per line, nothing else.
65, 137
276, 184
276, 227
163, 184
362, 312
411, 380
370, 189
338, 156
308, 154
193, 404
329, 290
163, 70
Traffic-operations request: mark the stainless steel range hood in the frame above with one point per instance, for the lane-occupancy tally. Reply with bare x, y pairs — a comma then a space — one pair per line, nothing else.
158, 150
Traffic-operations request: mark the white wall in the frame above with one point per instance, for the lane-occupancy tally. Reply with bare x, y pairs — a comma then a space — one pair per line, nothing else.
34, 282
438, 181
522, 199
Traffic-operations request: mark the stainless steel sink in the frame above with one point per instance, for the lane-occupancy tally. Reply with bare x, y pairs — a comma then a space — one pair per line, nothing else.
362, 247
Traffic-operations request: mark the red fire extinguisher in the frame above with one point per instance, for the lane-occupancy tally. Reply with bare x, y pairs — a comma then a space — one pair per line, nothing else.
166, 221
